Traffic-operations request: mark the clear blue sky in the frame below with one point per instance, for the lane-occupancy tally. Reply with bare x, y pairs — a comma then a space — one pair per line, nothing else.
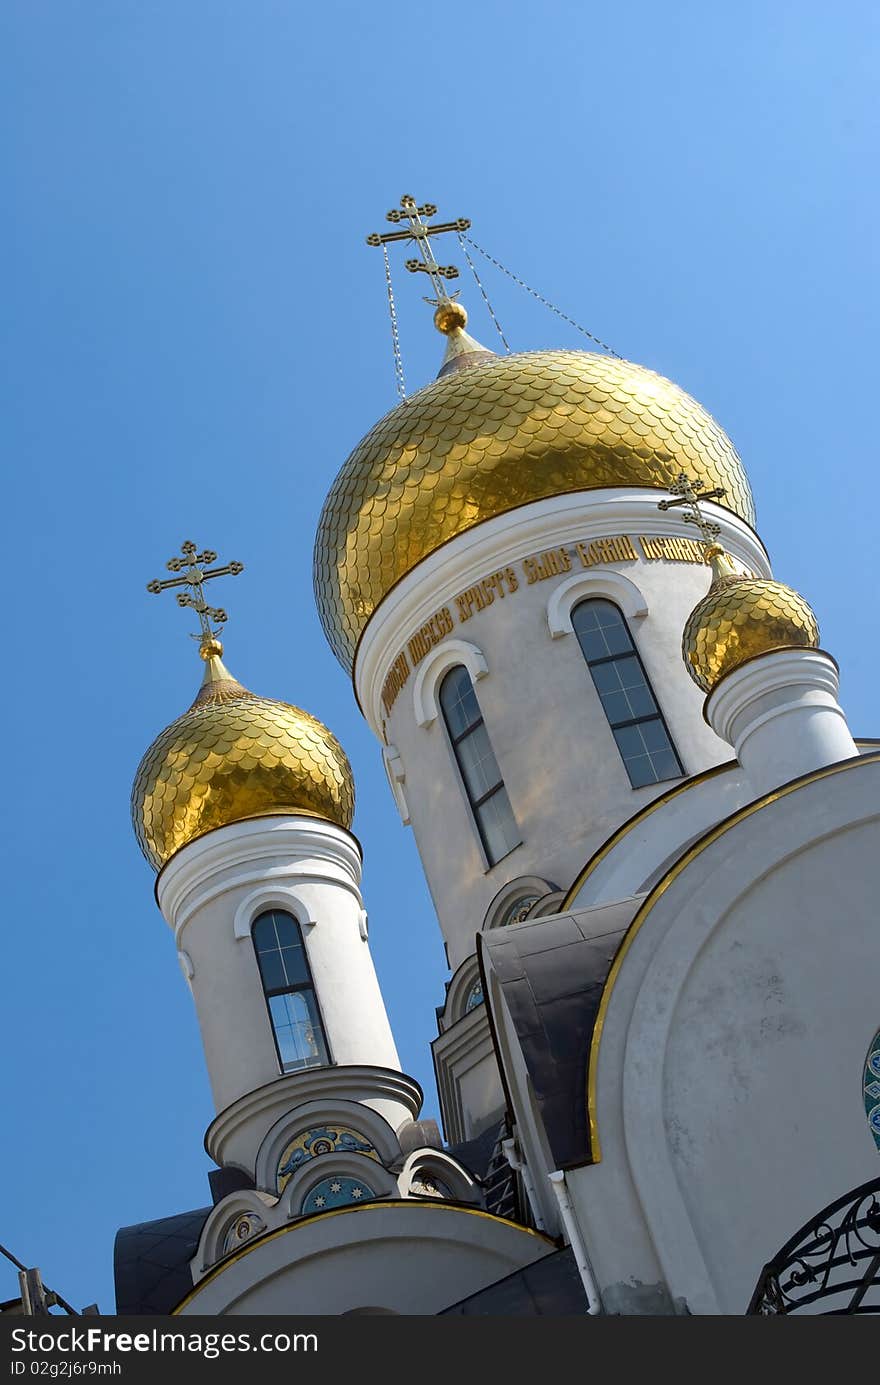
194, 336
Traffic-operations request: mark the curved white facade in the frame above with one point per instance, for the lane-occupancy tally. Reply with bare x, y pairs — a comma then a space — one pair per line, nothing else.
491, 600
212, 891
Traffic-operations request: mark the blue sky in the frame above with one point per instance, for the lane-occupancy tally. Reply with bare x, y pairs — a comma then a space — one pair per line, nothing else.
194, 336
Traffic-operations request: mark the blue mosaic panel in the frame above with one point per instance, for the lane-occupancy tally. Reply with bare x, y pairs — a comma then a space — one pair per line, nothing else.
871, 1086
336, 1192
321, 1140
475, 997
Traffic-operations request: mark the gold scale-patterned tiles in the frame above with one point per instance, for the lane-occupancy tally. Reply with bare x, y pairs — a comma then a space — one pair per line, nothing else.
234, 756
740, 619
482, 441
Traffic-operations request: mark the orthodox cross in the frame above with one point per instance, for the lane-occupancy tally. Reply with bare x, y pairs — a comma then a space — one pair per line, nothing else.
194, 570
686, 494
419, 231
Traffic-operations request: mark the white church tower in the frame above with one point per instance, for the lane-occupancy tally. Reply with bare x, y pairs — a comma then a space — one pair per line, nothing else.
642, 816
244, 806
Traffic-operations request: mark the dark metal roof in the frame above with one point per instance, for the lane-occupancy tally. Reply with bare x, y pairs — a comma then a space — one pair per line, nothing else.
476, 1154
549, 1288
151, 1262
552, 972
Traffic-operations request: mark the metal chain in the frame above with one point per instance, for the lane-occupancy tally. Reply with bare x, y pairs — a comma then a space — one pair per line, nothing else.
491, 310
395, 335
540, 297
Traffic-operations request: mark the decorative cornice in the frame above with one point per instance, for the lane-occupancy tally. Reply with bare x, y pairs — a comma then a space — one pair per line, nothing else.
466, 558
358, 1083
615, 585
775, 670
261, 849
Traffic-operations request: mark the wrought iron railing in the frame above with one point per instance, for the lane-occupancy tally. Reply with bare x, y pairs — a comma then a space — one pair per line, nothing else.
832, 1265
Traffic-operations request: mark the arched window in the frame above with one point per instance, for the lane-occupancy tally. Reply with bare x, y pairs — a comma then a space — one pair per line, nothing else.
290, 994
625, 693
477, 764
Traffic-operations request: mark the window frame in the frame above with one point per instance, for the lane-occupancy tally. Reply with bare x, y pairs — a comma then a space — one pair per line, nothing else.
455, 740
631, 653
296, 988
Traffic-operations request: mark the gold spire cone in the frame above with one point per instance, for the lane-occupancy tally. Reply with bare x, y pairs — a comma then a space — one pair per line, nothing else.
232, 756
740, 618
462, 350
218, 684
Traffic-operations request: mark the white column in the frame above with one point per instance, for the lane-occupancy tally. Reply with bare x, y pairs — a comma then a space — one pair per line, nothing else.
212, 891
781, 715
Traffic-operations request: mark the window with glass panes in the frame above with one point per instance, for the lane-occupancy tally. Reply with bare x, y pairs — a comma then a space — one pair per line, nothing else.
479, 770
635, 719
290, 994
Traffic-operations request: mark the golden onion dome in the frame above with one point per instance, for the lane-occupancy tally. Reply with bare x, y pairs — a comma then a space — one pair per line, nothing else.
490, 434
741, 618
233, 756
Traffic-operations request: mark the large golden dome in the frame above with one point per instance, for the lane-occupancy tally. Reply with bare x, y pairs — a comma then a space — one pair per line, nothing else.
740, 618
498, 434
233, 756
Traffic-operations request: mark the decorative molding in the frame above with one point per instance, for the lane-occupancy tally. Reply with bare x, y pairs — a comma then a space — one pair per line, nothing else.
432, 670
335, 1109
396, 779
457, 992
272, 895
359, 1167
425, 1166
246, 1202
586, 585
268, 1105
524, 887
259, 852
465, 1045
795, 672
577, 516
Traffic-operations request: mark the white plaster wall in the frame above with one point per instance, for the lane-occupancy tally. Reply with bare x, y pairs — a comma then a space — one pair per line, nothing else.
403, 1259
211, 892
729, 1079
765, 1058
567, 784
641, 854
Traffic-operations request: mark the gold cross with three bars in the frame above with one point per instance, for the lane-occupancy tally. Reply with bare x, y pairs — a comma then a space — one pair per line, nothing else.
419, 231
194, 573
684, 489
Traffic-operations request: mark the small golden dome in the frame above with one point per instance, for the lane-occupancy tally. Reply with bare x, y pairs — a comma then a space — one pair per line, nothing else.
234, 756
483, 440
740, 618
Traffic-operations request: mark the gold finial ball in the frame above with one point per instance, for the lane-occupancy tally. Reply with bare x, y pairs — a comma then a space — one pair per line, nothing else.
449, 316
211, 649
741, 619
